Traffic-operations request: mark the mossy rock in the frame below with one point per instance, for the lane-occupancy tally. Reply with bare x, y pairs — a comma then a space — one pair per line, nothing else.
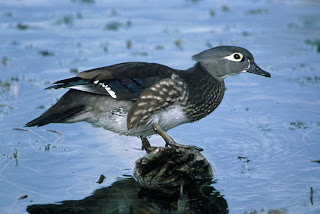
172, 167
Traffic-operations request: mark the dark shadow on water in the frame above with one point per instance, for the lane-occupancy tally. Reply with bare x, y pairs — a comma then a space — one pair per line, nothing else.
126, 196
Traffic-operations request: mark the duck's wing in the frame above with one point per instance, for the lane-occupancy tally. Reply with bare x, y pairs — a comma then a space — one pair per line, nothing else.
124, 81
120, 81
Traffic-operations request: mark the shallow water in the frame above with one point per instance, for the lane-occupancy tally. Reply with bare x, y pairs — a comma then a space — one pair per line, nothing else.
262, 140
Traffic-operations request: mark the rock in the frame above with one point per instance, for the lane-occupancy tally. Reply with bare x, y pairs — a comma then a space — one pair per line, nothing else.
172, 167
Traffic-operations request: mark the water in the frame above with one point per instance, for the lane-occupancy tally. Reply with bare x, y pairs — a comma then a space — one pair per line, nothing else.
261, 141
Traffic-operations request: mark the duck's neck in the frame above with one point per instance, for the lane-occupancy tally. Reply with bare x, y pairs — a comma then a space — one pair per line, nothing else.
205, 92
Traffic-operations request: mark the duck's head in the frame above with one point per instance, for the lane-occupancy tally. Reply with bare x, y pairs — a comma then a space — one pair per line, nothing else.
224, 61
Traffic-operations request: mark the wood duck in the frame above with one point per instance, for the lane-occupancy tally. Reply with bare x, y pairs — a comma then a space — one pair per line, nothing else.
141, 99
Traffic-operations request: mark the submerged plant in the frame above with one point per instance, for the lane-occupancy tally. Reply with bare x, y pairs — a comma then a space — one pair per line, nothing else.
315, 43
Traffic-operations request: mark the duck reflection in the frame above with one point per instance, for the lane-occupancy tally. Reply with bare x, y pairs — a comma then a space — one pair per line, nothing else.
126, 196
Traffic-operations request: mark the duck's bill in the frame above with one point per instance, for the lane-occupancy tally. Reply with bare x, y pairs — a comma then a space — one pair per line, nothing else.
255, 69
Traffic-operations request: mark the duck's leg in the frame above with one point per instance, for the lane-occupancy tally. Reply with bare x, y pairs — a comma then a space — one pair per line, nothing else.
146, 145
170, 141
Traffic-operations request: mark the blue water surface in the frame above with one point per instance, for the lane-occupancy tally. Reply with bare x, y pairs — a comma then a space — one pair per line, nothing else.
263, 141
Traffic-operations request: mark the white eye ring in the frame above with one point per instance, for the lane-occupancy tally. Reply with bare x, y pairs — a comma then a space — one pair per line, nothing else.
236, 57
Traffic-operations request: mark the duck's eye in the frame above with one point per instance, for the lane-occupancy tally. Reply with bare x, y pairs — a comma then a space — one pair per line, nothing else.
236, 57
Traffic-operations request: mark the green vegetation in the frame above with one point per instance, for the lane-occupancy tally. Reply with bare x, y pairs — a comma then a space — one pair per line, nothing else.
4, 61
74, 70
5, 85
178, 43
302, 125
45, 53
225, 8
21, 26
129, 44
264, 128
40, 107
67, 20
299, 124
47, 147
13, 156
113, 26
315, 43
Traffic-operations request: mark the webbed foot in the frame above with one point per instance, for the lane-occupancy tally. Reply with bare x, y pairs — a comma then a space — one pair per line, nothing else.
169, 141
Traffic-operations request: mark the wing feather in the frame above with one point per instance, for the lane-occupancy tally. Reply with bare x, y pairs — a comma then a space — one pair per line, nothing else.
120, 81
